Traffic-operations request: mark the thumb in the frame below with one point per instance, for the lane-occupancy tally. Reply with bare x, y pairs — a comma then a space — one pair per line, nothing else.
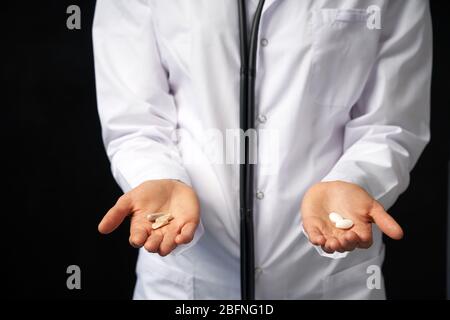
385, 222
115, 215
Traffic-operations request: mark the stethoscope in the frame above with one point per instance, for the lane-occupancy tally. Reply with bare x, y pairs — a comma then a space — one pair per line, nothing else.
248, 51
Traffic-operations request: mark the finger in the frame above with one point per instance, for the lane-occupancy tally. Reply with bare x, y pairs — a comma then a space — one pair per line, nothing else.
154, 241
168, 241
139, 232
364, 233
115, 215
385, 222
349, 240
313, 227
332, 245
335, 245
138, 237
327, 249
187, 233
315, 236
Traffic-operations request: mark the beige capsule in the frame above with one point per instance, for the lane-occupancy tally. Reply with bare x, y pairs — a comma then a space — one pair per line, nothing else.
162, 221
159, 224
153, 216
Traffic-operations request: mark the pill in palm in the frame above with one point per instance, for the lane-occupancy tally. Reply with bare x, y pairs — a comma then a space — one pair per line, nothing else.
335, 217
339, 221
159, 224
161, 221
153, 216
344, 224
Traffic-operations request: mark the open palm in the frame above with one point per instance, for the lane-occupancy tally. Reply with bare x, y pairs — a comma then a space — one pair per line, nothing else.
168, 196
352, 202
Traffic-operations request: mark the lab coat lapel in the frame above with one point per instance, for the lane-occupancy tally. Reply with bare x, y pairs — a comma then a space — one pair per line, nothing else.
268, 4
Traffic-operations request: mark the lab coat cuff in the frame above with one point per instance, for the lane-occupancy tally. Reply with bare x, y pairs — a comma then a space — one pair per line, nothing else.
320, 251
340, 176
131, 177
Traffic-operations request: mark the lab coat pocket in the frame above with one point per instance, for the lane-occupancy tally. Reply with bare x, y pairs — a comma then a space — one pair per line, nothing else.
162, 281
363, 281
344, 50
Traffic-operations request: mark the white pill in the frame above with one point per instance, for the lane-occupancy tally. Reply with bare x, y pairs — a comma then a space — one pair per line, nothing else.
335, 217
344, 224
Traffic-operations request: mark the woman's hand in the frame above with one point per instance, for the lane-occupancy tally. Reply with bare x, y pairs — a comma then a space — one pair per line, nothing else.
168, 196
352, 202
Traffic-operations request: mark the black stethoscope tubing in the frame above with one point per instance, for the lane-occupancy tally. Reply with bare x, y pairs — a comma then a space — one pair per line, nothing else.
248, 53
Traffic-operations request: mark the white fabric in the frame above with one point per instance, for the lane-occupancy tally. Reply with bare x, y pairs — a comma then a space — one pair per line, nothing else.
338, 101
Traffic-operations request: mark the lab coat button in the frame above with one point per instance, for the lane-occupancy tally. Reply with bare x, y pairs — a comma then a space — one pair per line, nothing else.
264, 42
259, 195
258, 271
262, 118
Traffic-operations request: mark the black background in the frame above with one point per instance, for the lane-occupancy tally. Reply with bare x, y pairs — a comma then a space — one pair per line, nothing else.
58, 184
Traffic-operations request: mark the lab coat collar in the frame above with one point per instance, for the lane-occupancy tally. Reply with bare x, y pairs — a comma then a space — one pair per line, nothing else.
268, 4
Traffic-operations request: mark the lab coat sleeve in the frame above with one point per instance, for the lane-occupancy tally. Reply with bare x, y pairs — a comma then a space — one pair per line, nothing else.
136, 109
389, 127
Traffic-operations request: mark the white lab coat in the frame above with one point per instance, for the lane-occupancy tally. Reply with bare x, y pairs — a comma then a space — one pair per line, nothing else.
339, 101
